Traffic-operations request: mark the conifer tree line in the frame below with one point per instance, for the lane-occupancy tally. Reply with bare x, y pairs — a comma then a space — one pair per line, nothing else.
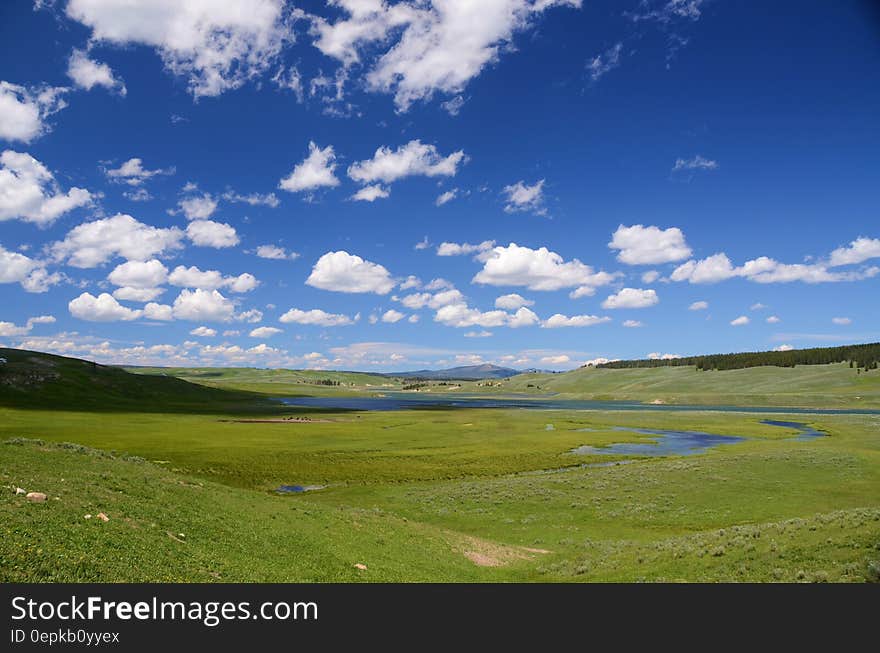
860, 357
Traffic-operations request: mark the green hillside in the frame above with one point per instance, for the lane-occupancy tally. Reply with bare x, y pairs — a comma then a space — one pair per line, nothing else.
278, 382
834, 385
31, 379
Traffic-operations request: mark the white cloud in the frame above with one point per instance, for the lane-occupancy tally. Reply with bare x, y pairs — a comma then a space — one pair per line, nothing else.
458, 249
231, 333
696, 163
858, 251
841, 321
640, 245
391, 316
521, 197
757, 307
93, 243
198, 207
315, 317
742, 320
127, 293
478, 334
512, 302
203, 332
87, 73
9, 329
633, 324
344, 272
783, 348
773, 320
413, 319
254, 199
371, 193
139, 274
650, 276
264, 332
561, 359
414, 158
422, 244
193, 277
698, 306
201, 305
764, 270
425, 47
445, 197
23, 111
103, 308
605, 62
215, 46
632, 298
275, 252
207, 233
29, 192
316, 171
536, 269
461, 315
160, 312
251, 317
558, 321
133, 173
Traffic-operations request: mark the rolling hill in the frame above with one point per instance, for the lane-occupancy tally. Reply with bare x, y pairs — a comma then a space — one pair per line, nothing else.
465, 373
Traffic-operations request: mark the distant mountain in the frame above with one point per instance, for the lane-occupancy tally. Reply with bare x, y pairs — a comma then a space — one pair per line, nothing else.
466, 373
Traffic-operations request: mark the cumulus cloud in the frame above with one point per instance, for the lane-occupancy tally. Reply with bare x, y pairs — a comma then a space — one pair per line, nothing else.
9, 329
698, 306
87, 73
522, 197
316, 171
414, 158
23, 110
783, 348
203, 332
29, 192
654, 356
641, 245
391, 316
558, 321
650, 276
425, 48
207, 233
276, 253
214, 46
536, 269
460, 315
773, 319
264, 332
30, 273
93, 243
159, 312
139, 274
512, 302
841, 321
633, 324
718, 267
127, 293
202, 306
858, 251
742, 320
315, 317
133, 173
103, 308
631, 298
193, 277
371, 193
344, 272
197, 207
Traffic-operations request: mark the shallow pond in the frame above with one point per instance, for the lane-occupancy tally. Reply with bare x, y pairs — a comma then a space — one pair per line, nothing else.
684, 443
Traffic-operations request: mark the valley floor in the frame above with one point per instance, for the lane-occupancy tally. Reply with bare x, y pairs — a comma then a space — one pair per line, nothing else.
441, 495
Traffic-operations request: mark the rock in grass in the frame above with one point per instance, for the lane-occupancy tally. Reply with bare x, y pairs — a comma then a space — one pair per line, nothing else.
20, 490
361, 566
36, 497
103, 517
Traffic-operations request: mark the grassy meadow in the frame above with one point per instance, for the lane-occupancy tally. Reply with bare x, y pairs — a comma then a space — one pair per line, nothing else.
425, 495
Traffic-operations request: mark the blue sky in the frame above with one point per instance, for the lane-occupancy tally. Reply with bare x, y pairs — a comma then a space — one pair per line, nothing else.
389, 186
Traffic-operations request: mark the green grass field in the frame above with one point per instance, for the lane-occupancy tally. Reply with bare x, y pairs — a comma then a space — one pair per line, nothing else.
435, 495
